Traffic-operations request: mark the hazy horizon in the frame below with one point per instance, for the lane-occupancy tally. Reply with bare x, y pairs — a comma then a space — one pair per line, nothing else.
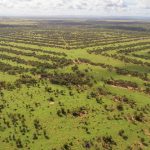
63, 17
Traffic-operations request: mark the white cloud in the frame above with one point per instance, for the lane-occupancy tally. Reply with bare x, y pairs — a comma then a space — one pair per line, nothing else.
145, 4
57, 4
71, 7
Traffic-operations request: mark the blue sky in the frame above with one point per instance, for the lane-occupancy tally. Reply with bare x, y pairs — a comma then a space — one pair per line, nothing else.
75, 7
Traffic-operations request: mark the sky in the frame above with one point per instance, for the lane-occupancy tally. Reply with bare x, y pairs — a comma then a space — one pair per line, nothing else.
75, 8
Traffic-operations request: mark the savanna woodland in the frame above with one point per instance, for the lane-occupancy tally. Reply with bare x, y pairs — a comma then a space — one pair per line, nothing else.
74, 84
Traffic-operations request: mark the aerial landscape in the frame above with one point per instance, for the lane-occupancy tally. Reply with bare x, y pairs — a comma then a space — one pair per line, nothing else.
74, 83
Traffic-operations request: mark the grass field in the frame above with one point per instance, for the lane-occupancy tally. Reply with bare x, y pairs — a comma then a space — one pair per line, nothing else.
74, 85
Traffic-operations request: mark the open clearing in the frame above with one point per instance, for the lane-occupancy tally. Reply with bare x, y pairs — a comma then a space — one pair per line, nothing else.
74, 85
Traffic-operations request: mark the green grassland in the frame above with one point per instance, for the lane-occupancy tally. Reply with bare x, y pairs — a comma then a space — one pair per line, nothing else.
74, 85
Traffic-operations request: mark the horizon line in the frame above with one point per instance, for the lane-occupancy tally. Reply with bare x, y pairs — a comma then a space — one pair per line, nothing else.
75, 17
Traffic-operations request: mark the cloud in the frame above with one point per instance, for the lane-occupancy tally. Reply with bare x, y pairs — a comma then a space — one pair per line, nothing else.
144, 4
58, 4
71, 7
